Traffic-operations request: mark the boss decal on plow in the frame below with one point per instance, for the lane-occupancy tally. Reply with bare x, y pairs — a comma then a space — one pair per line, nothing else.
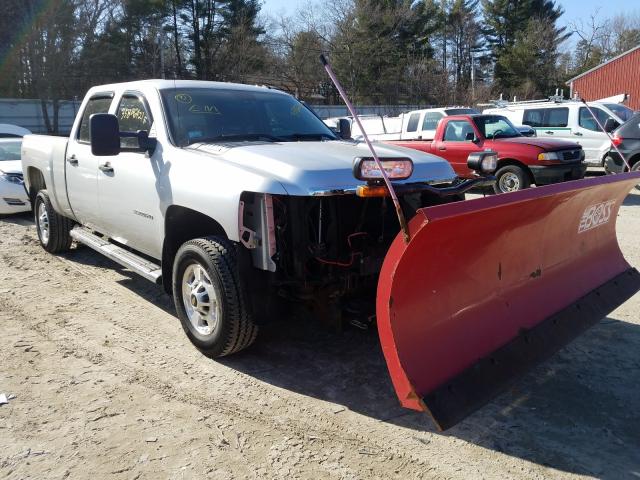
596, 215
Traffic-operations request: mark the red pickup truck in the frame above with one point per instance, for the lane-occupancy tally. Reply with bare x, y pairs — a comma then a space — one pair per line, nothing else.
522, 161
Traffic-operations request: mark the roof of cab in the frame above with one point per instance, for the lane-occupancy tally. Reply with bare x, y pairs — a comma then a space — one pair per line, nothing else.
165, 84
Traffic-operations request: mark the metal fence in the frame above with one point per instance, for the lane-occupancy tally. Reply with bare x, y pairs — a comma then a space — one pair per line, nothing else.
327, 111
28, 113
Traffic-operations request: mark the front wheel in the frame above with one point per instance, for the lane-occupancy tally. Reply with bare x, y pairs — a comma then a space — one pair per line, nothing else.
210, 298
53, 228
511, 178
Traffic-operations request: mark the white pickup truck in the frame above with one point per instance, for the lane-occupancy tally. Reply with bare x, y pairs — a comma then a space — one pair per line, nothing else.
413, 125
231, 196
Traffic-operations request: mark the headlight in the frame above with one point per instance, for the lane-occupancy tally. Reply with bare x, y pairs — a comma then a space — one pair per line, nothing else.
483, 162
549, 156
11, 178
365, 168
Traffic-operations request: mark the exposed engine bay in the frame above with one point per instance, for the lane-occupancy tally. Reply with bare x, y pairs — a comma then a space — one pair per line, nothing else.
326, 250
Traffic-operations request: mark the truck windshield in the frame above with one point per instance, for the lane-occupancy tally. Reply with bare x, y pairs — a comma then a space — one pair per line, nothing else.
10, 149
495, 126
224, 115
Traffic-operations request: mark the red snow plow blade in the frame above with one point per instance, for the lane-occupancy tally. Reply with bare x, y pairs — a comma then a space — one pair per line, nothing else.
488, 288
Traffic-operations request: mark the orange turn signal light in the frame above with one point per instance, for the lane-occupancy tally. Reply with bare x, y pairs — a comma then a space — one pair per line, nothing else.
367, 191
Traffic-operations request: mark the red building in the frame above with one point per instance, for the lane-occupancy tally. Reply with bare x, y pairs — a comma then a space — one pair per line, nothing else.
618, 75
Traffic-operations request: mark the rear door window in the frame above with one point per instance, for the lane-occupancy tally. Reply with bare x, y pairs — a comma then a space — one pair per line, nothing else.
546, 117
412, 125
97, 104
556, 117
457, 130
431, 120
534, 117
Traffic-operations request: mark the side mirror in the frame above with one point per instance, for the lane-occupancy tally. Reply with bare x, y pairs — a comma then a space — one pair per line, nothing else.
610, 125
105, 135
470, 137
344, 129
527, 131
485, 163
146, 143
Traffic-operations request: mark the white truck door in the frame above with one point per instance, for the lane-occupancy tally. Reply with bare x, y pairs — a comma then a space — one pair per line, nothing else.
429, 124
82, 167
594, 141
410, 127
129, 184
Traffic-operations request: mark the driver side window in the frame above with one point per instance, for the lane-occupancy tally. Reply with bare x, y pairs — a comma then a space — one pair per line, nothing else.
132, 116
586, 120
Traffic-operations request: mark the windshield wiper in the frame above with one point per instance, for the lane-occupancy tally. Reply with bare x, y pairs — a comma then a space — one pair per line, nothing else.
308, 136
237, 138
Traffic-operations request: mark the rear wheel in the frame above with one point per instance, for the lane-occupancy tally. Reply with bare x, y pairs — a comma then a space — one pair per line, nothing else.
210, 298
511, 178
636, 168
53, 228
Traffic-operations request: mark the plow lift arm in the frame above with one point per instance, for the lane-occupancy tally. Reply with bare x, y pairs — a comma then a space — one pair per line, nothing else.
473, 294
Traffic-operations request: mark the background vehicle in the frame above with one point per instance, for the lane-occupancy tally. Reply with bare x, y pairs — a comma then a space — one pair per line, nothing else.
627, 139
522, 161
13, 196
8, 131
236, 197
568, 120
413, 125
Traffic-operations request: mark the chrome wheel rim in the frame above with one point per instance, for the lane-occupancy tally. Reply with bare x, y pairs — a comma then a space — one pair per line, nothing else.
200, 299
509, 182
43, 223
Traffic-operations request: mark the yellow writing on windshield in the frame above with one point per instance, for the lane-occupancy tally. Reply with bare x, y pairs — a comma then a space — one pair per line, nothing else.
210, 109
183, 98
133, 113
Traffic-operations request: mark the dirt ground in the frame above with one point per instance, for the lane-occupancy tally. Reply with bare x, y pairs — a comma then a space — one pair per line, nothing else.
107, 385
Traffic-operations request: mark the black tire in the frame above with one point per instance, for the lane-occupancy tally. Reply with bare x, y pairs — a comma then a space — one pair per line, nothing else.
636, 168
54, 236
233, 328
511, 172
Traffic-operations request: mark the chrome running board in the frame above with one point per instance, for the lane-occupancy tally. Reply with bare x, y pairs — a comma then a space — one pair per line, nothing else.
124, 257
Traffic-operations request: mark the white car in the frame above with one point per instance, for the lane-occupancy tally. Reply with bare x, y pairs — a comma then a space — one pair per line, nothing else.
569, 120
11, 131
13, 196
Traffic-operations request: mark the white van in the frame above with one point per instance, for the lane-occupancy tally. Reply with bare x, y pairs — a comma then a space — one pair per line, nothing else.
569, 120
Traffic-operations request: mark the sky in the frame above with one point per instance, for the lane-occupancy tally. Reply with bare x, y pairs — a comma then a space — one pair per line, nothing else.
574, 10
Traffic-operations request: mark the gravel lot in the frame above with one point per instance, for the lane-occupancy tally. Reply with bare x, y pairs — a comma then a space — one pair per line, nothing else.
107, 385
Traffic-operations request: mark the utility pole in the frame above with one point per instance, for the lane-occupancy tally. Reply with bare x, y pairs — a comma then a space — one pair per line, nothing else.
161, 47
473, 79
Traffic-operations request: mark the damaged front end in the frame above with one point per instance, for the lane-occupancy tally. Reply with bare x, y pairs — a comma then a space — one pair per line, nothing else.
327, 249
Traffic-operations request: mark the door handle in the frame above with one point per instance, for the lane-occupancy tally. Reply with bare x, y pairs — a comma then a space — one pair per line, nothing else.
549, 132
442, 148
106, 167
577, 133
73, 160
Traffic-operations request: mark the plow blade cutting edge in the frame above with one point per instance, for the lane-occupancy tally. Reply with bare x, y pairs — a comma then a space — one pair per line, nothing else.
488, 288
